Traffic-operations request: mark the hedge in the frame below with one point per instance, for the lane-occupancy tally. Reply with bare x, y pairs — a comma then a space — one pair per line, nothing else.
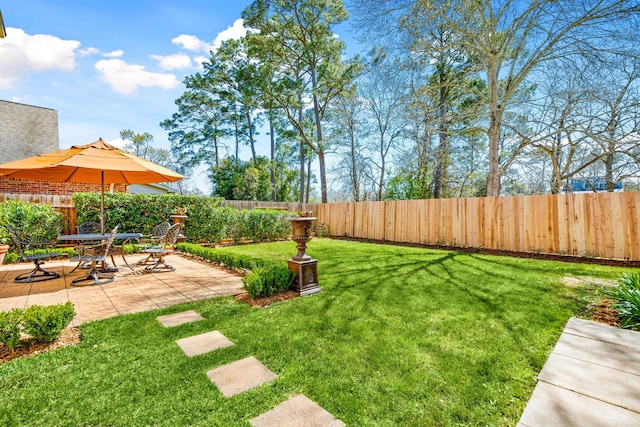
206, 220
265, 279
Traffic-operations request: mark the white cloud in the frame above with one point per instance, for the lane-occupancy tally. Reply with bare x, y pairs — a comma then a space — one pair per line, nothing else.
118, 142
194, 44
114, 54
179, 61
89, 51
22, 53
235, 32
126, 78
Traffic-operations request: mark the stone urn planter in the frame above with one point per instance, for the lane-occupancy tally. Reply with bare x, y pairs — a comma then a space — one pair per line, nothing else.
178, 218
3, 250
305, 268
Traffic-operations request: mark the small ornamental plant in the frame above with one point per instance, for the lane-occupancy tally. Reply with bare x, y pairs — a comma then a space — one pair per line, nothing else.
45, 323
10, 325
626, 297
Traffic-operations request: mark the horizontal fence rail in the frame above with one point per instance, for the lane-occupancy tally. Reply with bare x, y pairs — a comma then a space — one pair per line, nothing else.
594, 225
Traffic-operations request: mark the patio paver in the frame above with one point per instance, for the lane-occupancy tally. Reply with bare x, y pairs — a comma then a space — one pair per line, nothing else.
177, 319
298, 411
592, 378
242, 375
203, 343
131, 292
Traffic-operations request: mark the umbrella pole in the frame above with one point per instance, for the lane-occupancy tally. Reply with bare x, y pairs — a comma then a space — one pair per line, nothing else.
102, 202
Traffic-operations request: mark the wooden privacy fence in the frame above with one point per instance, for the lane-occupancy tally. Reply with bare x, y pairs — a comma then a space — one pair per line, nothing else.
601, 225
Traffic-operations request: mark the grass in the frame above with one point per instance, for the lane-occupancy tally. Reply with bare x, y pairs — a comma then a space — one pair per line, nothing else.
398, 336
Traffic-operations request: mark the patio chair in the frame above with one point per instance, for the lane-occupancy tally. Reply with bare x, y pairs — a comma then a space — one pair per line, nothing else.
155, 262
158, 234
32, 249
96, 254
89, 227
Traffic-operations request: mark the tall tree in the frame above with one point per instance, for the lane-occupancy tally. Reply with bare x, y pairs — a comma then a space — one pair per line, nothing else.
511, 39
297, 35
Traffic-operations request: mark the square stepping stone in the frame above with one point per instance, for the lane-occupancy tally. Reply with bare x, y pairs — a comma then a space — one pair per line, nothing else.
203, 343
299, 411
240, 376
179, 318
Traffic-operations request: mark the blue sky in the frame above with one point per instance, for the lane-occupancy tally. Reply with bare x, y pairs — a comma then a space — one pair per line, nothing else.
110, 65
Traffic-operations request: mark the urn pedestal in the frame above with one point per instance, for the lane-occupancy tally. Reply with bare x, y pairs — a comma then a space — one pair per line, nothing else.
306, 269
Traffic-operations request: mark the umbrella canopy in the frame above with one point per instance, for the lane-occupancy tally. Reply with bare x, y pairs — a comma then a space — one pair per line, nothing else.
83, 163
95, 163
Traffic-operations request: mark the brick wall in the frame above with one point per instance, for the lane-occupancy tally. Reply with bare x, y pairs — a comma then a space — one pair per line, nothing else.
26, 131
19, 186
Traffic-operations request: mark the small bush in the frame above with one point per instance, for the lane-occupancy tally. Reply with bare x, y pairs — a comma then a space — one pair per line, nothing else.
44, 323
265, 281
627, 300
10, 324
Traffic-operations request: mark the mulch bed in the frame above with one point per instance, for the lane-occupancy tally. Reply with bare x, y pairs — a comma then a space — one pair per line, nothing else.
28, 347
267, 301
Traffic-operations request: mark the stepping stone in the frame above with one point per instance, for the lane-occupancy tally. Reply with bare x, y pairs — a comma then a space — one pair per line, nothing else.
240, 376
179, 318
298, 411
203, 343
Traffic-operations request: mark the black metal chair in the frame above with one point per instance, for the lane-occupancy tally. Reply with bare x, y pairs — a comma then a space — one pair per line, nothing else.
32, 249
89, 227
94, 255
155, 262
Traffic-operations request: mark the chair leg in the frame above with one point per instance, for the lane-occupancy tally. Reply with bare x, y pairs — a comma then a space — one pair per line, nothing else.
38, 274
93, 277
156, 268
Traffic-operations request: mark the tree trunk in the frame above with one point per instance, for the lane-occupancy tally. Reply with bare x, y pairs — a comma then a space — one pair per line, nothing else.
302, 162
274, 195
354, 170
251, 141
318, 118
438, 173
495, 110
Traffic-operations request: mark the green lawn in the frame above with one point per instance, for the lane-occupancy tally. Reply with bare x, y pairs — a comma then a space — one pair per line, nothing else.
398, 336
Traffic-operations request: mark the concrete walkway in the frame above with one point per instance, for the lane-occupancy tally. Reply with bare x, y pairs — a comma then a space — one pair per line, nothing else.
130, 292
592, 378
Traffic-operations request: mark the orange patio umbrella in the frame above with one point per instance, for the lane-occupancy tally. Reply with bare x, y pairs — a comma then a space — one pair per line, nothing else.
95, 163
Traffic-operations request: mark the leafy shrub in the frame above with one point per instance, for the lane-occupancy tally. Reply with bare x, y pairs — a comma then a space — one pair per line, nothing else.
31, 221
10, 324
267, 280
627, 300
44, 323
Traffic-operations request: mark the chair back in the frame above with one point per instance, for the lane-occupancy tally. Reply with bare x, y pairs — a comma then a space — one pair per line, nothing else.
171, 236
110, 240
161, 230
89, 228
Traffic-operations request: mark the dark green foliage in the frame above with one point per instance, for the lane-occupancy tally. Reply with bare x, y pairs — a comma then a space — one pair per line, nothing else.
10, 327
142, 212
268, 280
627, 300
266, 277
44, 323
207, 221
31, 221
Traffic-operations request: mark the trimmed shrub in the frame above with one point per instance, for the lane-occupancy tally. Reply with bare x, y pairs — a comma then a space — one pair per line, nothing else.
267, 280
207, 221
10, 325
626, 299
44, 323
32, 221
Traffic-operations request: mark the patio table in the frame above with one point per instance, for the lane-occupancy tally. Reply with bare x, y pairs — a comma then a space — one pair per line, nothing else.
124, 238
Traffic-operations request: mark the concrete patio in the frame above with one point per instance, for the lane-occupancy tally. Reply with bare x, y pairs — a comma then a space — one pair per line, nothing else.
131, 291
